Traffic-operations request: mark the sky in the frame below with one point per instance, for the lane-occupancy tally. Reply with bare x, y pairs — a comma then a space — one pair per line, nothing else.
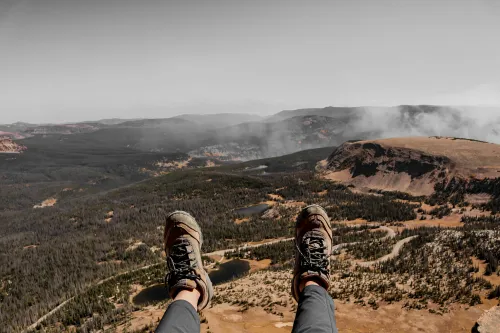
73, 60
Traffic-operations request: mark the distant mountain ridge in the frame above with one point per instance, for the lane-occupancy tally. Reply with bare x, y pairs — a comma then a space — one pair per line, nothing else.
232, 136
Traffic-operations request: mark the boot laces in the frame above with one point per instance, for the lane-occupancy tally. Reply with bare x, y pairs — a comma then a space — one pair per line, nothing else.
179, 264
313, 258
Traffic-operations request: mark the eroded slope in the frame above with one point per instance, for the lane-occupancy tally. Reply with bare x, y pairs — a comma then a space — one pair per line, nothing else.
413, 165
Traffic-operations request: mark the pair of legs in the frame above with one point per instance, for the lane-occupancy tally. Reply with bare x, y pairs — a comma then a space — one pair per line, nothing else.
191, 289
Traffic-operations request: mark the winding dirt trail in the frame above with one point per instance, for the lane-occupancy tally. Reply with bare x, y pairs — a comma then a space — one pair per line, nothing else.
246, 247
390, 234
395, 251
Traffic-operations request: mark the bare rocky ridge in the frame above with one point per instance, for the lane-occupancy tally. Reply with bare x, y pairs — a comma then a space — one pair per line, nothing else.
412, 165
8, 146
489, 321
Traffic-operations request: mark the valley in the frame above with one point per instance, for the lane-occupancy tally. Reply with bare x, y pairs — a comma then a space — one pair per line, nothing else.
416, 224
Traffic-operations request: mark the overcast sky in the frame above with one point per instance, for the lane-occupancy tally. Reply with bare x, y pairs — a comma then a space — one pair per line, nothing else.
69, 60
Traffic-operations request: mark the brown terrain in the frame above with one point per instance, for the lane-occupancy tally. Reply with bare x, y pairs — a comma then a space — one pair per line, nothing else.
273, 310
7, 146
261, 301
46, 203
412, 165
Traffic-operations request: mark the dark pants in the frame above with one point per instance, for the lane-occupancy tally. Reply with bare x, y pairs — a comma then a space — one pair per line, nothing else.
316, 314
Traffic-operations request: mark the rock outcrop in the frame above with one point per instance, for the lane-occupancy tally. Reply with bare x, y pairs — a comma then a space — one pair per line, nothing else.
9, 146
489, 322
412, 165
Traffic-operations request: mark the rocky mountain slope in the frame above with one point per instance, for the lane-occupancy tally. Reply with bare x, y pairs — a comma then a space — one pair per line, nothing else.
246, 137
9, 146
260, 139
414, 165
489, 321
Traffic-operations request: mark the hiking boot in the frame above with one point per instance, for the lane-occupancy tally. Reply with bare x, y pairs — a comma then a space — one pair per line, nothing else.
313, 247
185, 270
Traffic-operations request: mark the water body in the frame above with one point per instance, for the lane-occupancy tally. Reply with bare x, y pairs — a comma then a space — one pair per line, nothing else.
226, 272
252, 210
151, 295
229, 271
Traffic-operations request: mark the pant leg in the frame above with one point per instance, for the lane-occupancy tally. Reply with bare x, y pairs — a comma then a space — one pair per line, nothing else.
180, 317
316, 312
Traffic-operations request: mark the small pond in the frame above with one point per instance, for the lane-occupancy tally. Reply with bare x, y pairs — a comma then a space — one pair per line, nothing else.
252, 210
226, 272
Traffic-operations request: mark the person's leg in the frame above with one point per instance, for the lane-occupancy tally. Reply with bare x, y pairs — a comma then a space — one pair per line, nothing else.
316, 311
311, 275
187, 280
181, 316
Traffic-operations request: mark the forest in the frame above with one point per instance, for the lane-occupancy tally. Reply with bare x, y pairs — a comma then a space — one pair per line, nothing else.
68, 248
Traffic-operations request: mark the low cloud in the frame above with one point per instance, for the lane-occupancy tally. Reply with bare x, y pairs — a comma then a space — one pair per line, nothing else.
481, 123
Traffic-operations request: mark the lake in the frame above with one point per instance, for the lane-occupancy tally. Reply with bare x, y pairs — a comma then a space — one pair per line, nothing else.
226, 272
252, 210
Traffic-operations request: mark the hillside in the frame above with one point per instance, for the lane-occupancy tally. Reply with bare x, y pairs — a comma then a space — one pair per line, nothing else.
266, 139
240, 137
414, 165
9, 146
220, 120
82, 215
90, 257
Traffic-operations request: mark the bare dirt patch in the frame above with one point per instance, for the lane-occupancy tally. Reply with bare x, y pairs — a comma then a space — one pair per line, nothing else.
321, 165
452, 221
242, 220
265, 287
256, 265
338, 176
50, 202
478, 199
275, 197
354, 222
147, 316
226, 318
391, 318
294, 204
134, 246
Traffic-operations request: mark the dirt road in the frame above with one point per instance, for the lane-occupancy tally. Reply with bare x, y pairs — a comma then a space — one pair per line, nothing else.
395, 251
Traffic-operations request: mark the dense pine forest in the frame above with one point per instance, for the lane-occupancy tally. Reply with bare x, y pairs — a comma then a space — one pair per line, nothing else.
69, 250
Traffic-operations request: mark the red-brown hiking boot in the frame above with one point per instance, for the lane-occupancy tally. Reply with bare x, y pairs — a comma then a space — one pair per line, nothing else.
183, 240
313, 247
